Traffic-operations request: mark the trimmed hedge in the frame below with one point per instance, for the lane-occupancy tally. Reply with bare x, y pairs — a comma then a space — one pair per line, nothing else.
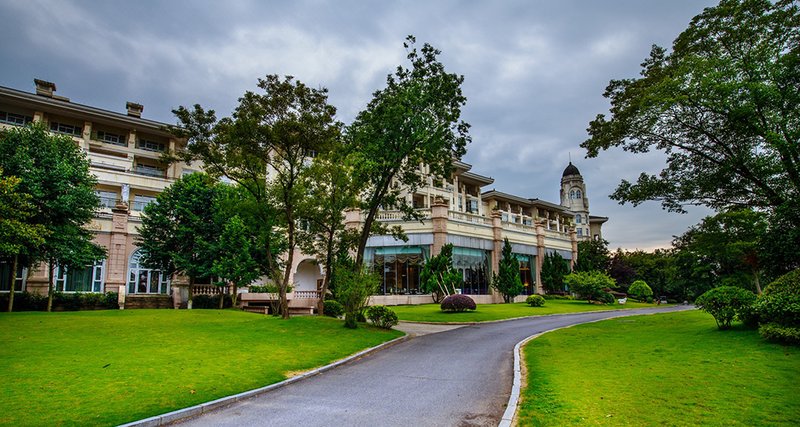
535, 300
333, 308
381, 316
458, 303
27, 301
789, 283
781, 334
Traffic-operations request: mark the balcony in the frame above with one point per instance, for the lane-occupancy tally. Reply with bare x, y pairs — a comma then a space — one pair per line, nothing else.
151, 171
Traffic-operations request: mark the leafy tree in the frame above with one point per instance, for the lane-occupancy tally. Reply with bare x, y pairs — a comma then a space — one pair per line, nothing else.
554, 268
330, 193
234, 262
18, 236
411, 125
264, 147
438, 275
590, 285
722, 106
353, 288
640, 291
54, 173
780, 244
620, 269
593, 255
725, 303
657, 268
507, 281
179, 231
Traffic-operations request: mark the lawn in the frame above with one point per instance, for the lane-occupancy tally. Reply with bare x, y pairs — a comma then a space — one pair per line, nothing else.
664, 369
486, 312
111, 367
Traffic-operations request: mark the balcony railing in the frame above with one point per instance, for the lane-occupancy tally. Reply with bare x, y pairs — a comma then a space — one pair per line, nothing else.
471, 218
150, 171
399, 216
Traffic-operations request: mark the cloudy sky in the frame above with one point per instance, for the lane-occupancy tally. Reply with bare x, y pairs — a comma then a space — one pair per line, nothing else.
534, 71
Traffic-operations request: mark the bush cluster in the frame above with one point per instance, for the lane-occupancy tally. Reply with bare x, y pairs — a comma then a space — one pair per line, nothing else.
535, 300
333, 308
607, 298
778, 310
381, 316
27, 301
211, 301
557, 296
725, 303
781, 334
639, 290
591, 285
266, 289
457, 303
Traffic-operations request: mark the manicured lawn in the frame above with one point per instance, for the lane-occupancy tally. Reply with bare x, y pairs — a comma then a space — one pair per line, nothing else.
664, 369
110, 367
432, 312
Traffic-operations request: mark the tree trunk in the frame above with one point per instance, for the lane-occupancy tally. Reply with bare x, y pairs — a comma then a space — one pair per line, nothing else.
13, 283
190, 293
755, 279
50, 269
235, 296
222, 298
325, 280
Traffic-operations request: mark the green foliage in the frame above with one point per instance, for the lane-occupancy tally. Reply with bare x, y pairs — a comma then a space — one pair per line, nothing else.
780, 334
234, 261
789, 283
535, 301
381, 316
27, 301
438, 275
640, 291
724, 303
593, 255
18, 236
457, 303
507, 281
779, 308
557, 297
780, 245
353, 288
266, 289
608, 298
589, 285
721, 105
212, 301
413, 121
333, 308
554, 268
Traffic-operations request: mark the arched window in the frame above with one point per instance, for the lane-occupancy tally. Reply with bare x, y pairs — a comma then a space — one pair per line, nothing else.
577, 219
578, 194
572, 194
142, 280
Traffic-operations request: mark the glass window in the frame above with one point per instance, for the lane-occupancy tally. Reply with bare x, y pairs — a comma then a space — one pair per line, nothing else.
149, 170
525, 273
578, 194
88, 279
142, 280
474, 267
140, 201
14, 119
148, 145
5, 275
108, 199
577, 219
111, 138
66, 129
580, 231
399, 267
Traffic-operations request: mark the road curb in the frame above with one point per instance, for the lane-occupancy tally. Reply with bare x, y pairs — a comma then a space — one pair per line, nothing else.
516, 386
193, 411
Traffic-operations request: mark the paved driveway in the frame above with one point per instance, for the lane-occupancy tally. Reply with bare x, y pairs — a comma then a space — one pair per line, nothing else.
459, 377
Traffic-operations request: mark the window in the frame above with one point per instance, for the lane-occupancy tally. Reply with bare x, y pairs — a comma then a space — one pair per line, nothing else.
577, 219
525, 273
143, 169
148, 145
472, 206
572, 194
580, 231
108, 199
474, 267
399, 268
66, 129
578, 194
14, 119
21, 276
88, 279
142, 280
110, 138
140, 201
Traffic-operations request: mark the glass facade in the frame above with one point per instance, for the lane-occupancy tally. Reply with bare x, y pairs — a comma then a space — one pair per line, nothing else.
526, 273
87, 279
474, 267
399, 268
142, 280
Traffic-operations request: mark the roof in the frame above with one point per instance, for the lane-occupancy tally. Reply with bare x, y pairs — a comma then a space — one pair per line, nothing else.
482, 180
571, 170
598, 219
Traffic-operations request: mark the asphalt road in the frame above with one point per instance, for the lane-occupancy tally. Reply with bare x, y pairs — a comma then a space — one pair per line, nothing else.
460, 377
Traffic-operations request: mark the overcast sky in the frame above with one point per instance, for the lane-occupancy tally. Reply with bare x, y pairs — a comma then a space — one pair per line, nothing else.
535, 71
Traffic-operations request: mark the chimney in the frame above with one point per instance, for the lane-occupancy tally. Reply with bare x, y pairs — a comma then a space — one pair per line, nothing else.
44, 88
134, 109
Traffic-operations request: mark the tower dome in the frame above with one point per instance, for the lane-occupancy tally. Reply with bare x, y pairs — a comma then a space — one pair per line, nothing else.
571, 170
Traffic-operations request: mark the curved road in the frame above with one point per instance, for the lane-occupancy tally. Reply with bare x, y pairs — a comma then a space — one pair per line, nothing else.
461, 377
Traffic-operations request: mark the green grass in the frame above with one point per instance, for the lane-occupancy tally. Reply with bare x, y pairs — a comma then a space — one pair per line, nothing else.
664, 369
110, 367
486, 312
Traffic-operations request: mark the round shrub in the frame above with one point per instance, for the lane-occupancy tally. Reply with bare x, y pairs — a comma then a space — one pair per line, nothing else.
724, 303
382, 316
535, 300
458, 302
607, 298
333, 308
639, 290
789, 283
781, 309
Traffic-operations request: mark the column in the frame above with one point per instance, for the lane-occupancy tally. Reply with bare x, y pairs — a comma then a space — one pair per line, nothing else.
573, 237
439, 220
497, 249
539, 255
117, 263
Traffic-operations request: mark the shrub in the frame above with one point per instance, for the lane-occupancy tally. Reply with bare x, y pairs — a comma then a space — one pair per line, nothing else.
333, 308
789, 283
457, 303
607, 298
781, 309
639, 290
535, 300
724, 303
589, 285
352, 289
781, 334
382, 316
210, 301
749, 316
557, 296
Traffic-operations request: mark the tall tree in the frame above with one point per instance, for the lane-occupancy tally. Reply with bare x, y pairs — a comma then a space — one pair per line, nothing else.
264, 147
179, 230
234, 261
331, 191
54, 172
722, 106
18, 237
593, 255
554, 268
507, 280
410, 125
